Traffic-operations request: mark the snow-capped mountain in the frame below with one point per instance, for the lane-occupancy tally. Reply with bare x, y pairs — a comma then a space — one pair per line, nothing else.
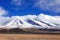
32, 21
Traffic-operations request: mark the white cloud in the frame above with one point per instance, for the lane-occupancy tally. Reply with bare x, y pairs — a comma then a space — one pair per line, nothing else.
2, 11
3, 19
16, 2
51, 5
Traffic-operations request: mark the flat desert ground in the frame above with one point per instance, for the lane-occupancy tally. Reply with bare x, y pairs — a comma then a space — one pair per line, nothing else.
29, 36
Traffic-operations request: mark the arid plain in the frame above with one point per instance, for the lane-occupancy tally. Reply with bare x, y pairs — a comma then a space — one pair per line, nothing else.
29, 36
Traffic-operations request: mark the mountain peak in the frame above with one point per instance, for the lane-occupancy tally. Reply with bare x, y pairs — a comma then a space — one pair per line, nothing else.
32, 21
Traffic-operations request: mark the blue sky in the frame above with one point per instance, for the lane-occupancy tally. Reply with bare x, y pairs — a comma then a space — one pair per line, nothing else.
26, 7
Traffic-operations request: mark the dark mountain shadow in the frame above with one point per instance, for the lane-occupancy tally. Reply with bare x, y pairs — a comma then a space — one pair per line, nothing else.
12, 31
29, 31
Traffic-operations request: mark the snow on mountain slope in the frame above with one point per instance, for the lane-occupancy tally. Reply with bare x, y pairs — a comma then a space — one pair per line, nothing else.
33, 21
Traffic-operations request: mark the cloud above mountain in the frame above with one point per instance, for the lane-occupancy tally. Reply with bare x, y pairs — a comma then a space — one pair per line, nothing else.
3, 12
50, 5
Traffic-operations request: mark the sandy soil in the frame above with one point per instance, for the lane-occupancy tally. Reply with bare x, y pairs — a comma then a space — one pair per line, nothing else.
29, 36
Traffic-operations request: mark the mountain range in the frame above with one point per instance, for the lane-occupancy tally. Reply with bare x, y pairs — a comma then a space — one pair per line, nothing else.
31, 21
